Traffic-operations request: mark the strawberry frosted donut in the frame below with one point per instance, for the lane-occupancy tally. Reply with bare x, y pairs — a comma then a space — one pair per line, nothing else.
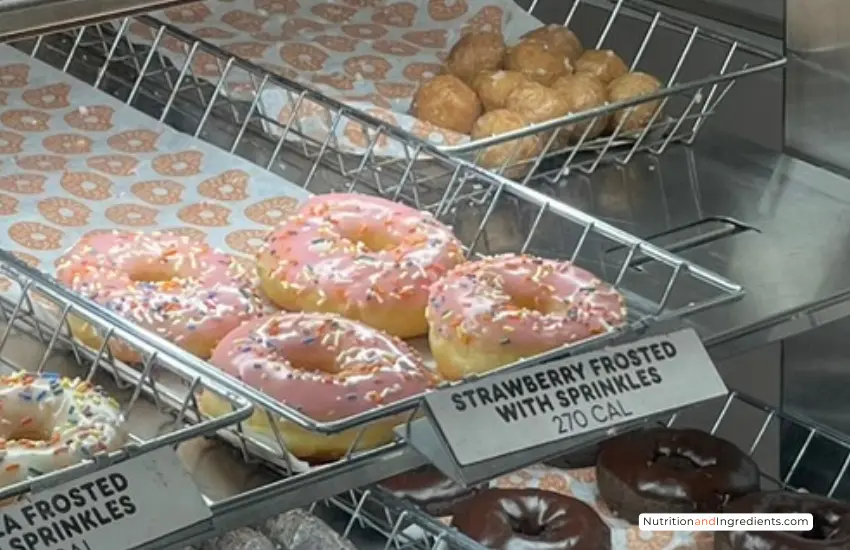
493, 312
365, 258
184, 291
325, 366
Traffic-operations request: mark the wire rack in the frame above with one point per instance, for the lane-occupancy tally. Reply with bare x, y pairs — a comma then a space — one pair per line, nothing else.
489, 213
754, 426
692, 91
35, 337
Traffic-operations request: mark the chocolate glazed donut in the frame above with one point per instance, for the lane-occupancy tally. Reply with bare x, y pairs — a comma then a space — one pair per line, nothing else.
831, 530
530, 519
664, 470
430, 490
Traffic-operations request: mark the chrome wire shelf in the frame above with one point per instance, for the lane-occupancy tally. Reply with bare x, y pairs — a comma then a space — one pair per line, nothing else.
396, 523
490, 214
157, 400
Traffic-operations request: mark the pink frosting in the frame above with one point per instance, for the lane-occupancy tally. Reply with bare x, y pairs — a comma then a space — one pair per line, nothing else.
201, 291
522, 301
324, 250
323, 365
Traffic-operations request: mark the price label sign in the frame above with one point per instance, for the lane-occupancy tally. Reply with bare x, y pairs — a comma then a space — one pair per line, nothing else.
123, 506
506, 413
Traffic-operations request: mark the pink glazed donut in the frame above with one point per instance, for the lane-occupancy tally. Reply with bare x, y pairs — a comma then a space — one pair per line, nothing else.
362, 257
185, 291
496, 311
325, 366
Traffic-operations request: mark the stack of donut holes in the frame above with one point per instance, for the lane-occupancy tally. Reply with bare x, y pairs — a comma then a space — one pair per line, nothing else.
487, 89
657, 470
353, 277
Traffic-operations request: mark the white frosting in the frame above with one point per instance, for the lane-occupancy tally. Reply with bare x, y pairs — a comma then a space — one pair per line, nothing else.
48, 422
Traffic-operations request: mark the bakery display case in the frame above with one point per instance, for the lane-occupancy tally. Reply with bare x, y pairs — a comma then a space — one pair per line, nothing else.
215, 121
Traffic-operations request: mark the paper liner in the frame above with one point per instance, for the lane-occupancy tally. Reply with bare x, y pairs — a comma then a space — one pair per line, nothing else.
581, 484
74, 160
369, 54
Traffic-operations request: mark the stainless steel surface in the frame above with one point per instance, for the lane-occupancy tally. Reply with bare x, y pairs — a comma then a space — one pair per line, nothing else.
816, 374
818, 81
780, 226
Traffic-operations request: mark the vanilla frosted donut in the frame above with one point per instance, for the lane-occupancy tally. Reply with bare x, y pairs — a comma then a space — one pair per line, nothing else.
326, 367
363, 257
48, 422
493, 312
181, 289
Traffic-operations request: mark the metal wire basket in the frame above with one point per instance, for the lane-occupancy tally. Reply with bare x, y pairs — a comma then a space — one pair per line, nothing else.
490, 214
157, 400
677, 112
757, 428
697, 67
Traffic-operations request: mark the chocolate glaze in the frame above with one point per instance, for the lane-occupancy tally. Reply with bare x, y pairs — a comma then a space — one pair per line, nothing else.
666, 470
430, 490
531, 519
831, 530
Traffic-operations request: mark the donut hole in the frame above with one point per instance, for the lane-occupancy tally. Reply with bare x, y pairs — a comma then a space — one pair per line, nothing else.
527, 293
150, 274
527, 526
318, 360
373, 241
26, 428
534, 303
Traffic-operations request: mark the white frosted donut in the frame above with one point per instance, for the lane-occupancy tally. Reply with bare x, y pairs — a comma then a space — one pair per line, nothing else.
48, 422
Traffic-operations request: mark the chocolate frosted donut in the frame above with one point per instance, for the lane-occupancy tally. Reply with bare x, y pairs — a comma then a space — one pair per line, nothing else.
831, 529
530, 519
430, 490
664, 470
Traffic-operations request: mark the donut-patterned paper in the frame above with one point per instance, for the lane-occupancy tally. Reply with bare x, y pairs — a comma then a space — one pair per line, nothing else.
581, 484
74, 160
369, 54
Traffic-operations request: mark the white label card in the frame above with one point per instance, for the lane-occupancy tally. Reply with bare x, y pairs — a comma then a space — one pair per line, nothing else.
510, 412
120, 507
